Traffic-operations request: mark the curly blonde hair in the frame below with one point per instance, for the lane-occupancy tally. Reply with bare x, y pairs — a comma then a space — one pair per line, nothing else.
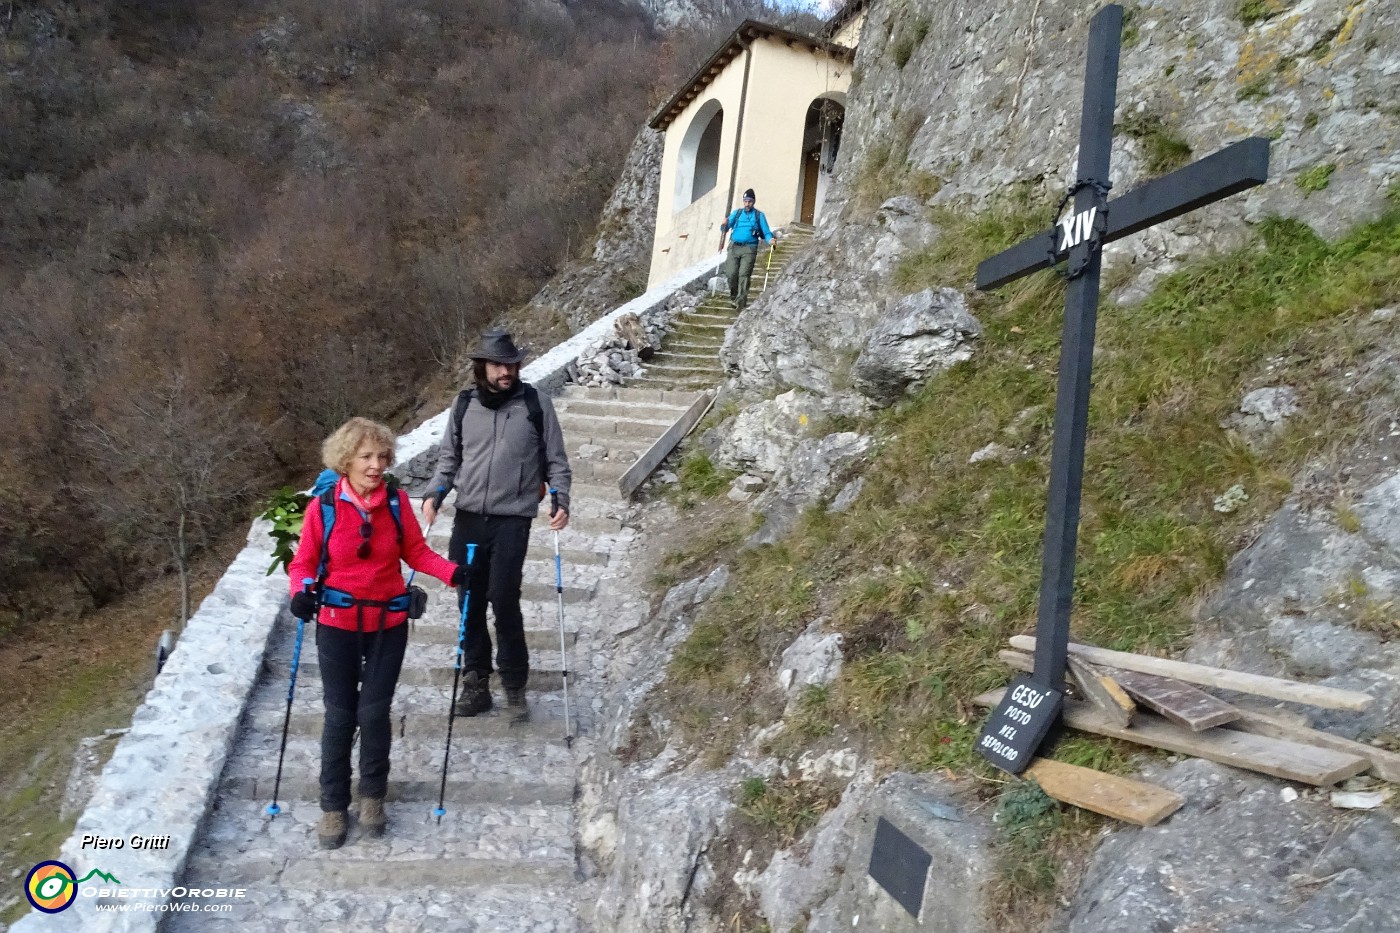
340, 448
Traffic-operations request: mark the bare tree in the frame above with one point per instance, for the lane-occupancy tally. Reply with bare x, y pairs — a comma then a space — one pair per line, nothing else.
167, 464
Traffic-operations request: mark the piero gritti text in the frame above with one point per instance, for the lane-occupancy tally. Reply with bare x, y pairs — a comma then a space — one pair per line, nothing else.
92, 841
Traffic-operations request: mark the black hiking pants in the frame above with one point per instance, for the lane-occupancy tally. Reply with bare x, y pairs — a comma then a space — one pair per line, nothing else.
359, 672
501, 541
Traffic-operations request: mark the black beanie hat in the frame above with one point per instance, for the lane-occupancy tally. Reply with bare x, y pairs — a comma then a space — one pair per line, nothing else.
748, 195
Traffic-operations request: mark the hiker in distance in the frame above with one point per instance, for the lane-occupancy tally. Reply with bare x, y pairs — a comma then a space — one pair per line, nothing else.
360, 605
502, 451
747, 228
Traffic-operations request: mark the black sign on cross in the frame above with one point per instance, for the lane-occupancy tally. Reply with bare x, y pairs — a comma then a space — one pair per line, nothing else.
1031, 706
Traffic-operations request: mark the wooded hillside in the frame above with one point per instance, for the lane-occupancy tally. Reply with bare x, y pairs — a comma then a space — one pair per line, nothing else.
225, 227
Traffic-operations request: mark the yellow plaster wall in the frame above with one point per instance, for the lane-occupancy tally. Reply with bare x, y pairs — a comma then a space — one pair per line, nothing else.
783, 81
849, 34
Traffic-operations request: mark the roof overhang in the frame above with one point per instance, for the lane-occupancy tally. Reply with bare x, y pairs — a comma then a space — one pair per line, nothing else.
844, 16
749, 31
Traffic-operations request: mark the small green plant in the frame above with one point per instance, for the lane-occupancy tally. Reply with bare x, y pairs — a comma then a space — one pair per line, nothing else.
286, 509
1163, 149
1310, 120
1257, 11
908, 41
1316, 178
1027, 818
1132, 32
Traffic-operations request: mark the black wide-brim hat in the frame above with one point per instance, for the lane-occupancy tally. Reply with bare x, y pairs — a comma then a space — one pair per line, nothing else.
498, 347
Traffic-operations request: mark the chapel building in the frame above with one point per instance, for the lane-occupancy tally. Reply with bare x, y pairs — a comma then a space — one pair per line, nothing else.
764, 112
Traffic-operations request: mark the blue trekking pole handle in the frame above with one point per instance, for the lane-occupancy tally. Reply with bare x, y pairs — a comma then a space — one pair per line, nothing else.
466, 601
306, 585
440, 811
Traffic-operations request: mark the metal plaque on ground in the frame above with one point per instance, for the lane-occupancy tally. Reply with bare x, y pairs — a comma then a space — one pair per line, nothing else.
900, 866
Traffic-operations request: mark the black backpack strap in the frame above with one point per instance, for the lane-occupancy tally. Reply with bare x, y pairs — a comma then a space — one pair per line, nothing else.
391, 485
459, 411
532, 405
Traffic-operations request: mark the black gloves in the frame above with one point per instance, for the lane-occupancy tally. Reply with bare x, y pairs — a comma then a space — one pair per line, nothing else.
304, 605
459, 576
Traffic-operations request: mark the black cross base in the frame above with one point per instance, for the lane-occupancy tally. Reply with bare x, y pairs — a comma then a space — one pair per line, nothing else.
1011, 735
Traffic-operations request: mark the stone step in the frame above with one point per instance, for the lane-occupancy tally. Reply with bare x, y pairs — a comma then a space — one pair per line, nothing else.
476, 905
697, 317
601, 426
621, 444
501, 771
602, 408
242, 846
541, 678
715, 373
691, 346
421, 713
600, 472
673, 356
613, 393
429, 641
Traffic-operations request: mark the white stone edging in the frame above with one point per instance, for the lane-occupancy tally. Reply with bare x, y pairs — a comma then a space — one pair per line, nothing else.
164, 774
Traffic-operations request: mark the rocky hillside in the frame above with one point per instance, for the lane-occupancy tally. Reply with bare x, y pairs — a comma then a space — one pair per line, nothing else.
807, 677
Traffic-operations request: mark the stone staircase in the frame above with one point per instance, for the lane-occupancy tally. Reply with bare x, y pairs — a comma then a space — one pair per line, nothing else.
689, 356
503, 859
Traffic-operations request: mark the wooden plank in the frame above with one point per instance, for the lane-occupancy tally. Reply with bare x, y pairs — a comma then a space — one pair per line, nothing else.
1101, 689
1274, 687
1281, 758
1181, 703
1122, 798
1282, 725
664, 444
1095, 686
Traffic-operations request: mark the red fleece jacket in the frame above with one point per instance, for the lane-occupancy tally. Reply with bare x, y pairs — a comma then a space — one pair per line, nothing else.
377, 576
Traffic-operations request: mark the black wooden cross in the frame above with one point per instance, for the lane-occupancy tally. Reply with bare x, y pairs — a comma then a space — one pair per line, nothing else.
1031, 706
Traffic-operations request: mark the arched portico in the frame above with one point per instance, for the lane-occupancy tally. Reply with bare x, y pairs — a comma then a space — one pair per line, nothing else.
697, 160
821, 141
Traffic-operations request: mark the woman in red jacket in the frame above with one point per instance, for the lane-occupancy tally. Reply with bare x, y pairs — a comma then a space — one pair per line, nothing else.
361, 611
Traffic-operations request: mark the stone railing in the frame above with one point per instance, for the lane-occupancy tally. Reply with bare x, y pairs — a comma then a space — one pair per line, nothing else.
162, 777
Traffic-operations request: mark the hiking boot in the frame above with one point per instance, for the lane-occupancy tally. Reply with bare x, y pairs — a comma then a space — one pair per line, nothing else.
515, 703
476, 695
372, 816
330, 832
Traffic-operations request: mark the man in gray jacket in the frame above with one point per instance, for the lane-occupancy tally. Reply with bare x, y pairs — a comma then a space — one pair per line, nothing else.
501, 450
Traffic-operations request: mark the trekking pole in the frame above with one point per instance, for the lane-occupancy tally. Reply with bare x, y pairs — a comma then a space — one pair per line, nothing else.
563, 650
771, 246
272, 808
456, 677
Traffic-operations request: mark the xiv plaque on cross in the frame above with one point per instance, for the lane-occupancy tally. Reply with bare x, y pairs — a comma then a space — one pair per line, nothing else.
1032, 705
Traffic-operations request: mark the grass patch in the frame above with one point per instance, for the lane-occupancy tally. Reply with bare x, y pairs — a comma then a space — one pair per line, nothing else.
1163, 150
788, 807
699, 478
1316, 178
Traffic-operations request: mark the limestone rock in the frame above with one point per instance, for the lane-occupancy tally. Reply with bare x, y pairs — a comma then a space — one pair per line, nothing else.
922, 334
1202, 868
814, 659
995, 452
1263, 412
848, 495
